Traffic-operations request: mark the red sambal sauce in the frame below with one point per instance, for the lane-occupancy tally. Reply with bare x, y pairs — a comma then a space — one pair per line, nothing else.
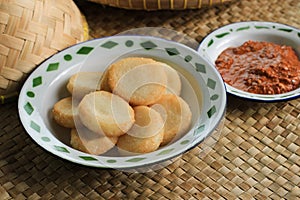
260, 67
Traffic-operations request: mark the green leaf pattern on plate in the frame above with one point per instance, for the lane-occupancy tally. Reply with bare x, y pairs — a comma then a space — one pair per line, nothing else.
61, 149
52, 67
129, 43
45, 139
84, 50
164, 152
211, 83
199, 129
172, 51
37, 81
88, 158
261, 27
30, 94
35, 126
188, 58
222, 35
184, 142
148, 45
68, 57
111, 161
200, 68
285, 30
135, 159
243, 28
109, 44
210, 43
28, 108
214, 97
211, 111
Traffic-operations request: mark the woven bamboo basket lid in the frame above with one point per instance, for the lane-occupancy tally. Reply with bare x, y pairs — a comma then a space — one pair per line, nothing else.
30, 32
160, 4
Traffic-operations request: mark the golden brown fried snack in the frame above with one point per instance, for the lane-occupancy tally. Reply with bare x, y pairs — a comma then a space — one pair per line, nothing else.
146, 134
141, 81
104, 82
83, 83
106, 114
173, 80
86, 141
177, 115
64, 114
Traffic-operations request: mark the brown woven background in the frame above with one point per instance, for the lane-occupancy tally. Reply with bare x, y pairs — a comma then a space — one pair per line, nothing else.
160, 4
256, 156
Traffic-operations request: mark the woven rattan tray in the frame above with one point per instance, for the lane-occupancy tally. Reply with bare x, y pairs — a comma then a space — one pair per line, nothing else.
160, 4
256, 156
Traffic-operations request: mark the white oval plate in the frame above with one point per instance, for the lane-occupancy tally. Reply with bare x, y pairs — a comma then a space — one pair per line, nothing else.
236, 34
46, 85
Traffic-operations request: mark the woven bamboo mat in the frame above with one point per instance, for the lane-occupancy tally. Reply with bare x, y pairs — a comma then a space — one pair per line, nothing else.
257, 154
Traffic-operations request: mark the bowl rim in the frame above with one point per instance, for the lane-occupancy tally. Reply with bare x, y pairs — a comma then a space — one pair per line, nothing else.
98, 40
294, 94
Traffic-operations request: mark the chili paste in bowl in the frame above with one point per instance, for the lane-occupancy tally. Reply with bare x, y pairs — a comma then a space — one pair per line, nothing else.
257, 60
260, 67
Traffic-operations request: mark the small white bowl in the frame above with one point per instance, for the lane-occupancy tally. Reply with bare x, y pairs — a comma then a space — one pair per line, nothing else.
202, 88
236, 34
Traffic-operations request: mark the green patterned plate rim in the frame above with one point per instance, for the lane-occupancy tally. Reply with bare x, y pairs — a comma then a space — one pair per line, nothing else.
46, 85
236, 34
